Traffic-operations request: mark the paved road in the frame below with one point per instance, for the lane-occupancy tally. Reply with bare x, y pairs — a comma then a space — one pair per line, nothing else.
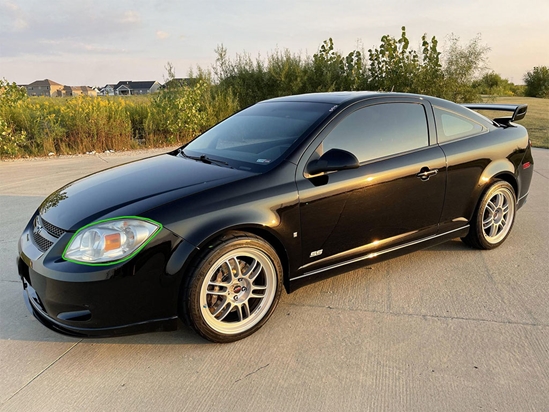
445, 329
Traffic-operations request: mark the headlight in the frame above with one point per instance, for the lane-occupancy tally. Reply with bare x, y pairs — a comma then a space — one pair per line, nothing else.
110, 241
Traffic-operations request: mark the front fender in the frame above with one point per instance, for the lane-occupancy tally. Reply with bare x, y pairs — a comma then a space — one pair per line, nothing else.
277, 227
266, 205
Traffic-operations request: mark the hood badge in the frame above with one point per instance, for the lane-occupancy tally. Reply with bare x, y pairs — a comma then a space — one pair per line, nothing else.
38, 225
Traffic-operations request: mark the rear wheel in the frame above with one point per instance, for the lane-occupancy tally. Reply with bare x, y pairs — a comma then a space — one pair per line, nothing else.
494, 217
233, 289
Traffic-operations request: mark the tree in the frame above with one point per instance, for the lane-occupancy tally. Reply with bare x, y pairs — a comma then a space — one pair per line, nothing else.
393, 65
462, 65
332, 72
491, 83
537, 82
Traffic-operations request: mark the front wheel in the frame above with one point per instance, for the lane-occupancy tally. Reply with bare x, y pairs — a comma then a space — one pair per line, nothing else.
233, 289
494, 217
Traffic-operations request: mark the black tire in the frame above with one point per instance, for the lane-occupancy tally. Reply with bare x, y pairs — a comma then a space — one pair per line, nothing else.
233, 289
493, 218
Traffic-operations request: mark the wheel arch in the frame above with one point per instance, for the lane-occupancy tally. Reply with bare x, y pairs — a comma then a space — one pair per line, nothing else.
498, 227
187, 255
263, 233
509, 178
497, 170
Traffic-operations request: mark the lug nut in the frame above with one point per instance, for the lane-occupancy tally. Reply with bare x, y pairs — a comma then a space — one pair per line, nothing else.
236, 297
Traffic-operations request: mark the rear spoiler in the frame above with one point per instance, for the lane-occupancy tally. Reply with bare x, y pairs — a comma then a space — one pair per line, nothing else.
519, 111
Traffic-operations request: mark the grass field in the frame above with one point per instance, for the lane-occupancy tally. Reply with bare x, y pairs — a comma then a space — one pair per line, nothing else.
536, 120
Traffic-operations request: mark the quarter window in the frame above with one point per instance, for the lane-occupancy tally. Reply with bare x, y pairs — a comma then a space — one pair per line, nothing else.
380, 130
451, 126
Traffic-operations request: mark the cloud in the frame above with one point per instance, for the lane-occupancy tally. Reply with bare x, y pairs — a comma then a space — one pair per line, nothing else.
68, 46
162, 35
13, 16
131, 17
20, 24
10, 6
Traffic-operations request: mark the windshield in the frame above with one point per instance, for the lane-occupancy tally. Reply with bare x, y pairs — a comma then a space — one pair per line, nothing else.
260, 135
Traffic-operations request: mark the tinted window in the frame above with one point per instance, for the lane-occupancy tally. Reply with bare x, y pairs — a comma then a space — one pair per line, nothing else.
256, 137
452, 126
380, 130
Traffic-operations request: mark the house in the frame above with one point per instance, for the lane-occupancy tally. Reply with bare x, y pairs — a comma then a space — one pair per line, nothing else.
79, 91
50, 88
108, 90
45, 87
126, 88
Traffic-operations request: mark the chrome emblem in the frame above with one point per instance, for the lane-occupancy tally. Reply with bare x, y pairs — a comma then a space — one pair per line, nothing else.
38, 225
316, 253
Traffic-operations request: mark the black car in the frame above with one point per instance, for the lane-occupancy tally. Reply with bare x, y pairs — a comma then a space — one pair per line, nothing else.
285, 192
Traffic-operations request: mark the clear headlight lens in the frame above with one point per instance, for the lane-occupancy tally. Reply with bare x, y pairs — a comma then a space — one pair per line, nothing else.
110, 241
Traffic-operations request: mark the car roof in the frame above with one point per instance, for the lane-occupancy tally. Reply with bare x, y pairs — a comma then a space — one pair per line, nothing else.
340, 98
326, 97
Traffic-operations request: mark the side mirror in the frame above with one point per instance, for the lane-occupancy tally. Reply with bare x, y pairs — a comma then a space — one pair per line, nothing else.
333, 160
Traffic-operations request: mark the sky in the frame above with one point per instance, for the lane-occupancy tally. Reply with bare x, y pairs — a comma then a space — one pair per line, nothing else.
95, 42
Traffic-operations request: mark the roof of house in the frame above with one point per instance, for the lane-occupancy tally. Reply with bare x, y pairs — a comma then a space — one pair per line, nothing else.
45, 82
136, 85
82, 88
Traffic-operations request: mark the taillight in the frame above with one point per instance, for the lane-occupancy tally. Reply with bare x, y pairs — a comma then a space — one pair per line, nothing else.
526, 165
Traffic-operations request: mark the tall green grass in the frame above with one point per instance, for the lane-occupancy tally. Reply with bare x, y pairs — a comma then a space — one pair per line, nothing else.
39, 126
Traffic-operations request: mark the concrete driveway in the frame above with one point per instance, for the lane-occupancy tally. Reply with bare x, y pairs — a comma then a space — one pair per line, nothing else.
445, 329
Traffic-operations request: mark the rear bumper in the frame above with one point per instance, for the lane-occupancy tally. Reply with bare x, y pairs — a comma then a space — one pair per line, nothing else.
522, 201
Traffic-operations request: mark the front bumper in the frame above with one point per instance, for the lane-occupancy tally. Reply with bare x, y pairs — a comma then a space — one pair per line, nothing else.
137, 295
35, 307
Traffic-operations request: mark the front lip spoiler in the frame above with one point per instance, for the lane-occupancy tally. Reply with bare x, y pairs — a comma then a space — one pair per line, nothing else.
166, 324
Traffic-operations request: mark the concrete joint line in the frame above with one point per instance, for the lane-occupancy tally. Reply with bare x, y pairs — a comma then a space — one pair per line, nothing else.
539, 173
45, 369
415, 315
251, 373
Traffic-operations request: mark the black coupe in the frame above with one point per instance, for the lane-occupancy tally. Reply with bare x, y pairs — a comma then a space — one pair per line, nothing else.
283, 193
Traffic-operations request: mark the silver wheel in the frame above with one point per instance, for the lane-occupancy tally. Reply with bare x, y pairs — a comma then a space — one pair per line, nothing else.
494, 217
238, 290
498, 215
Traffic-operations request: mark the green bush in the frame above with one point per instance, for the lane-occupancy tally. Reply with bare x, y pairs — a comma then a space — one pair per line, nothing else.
537, 82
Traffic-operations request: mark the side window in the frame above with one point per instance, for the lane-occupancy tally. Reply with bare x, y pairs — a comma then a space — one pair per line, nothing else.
380, 130
451, 126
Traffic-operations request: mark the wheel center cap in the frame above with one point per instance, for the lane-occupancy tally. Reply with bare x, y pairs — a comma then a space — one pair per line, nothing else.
497, 215
237, 289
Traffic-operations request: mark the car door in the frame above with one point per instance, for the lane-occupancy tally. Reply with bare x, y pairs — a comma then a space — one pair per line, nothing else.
395, 196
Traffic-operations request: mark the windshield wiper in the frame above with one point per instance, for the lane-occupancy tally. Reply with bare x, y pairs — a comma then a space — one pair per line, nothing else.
203, 159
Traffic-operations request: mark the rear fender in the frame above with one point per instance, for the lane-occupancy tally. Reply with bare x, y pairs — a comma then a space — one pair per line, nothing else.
501, 169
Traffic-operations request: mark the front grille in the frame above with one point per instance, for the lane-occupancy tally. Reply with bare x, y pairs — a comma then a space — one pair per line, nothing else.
42, 243
51, 229
44, 233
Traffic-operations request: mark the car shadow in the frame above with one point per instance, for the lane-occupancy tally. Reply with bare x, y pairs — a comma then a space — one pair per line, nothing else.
21, 325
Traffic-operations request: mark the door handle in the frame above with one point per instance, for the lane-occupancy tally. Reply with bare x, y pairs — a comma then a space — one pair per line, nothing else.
425, 173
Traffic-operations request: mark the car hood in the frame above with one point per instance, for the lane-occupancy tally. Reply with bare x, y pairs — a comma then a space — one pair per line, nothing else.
132, 189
